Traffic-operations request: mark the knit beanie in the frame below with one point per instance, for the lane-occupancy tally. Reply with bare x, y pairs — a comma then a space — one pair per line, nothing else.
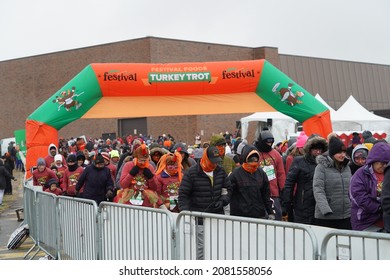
302, 138
366, 134
106, 155
142, 152
217, 140
114, 154
41, 161
336, 146
98, 159
71, 158
356, 140
264, 138
57, 157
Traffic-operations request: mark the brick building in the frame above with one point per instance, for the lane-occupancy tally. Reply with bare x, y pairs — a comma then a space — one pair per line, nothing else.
28, 82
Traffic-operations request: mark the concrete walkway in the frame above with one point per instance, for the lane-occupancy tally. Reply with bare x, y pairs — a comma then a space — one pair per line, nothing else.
9, 221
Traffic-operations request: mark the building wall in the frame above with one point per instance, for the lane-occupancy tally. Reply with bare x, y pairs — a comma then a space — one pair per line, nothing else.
28, 82
336, 80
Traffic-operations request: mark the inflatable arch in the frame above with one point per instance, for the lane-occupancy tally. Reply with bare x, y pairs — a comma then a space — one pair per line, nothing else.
123, 90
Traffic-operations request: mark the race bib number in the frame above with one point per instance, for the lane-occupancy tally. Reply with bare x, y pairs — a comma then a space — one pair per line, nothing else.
172, 201
270, 171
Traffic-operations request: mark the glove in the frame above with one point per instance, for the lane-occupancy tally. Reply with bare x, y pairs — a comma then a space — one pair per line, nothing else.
134, 171
271, 217
148, 174
218, 205
284, 215
109, 194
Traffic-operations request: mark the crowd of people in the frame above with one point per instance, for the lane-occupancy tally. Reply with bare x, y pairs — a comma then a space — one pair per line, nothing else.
309, 180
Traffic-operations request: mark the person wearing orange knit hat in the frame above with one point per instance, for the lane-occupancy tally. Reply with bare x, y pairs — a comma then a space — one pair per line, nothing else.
169, 175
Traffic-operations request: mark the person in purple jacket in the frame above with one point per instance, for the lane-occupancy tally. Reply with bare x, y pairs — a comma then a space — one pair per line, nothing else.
366, 188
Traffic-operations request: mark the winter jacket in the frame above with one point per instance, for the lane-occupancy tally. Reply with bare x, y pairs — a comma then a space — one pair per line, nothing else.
3, 175
277, 175
365, 209
250, 192
385, 199
301, 175
70, 180
366, 203
97, 182
198, 193
168, 189
41, 178
331, 189
126, 180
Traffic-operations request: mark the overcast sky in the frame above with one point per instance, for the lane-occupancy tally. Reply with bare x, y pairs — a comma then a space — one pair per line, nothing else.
354, 30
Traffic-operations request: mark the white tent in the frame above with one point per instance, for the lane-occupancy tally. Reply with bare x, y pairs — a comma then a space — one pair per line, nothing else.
353, 116
283, 126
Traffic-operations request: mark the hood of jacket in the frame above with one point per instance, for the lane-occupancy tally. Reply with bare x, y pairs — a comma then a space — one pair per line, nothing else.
358, 147
327, 161
50, 146
248, 150
379, 152
315, 142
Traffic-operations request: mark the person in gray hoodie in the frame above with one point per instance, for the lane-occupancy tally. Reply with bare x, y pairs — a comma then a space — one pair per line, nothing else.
331, 187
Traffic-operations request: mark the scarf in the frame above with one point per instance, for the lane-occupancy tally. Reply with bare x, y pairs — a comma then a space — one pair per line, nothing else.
221, 150
206, 164
250, 167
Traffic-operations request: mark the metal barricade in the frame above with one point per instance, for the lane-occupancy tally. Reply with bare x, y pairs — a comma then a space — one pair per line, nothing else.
30, 215
46, 213
355, 245
240, 238
135, 233
78, 229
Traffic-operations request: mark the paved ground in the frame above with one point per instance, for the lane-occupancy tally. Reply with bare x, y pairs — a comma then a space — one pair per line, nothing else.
9, 222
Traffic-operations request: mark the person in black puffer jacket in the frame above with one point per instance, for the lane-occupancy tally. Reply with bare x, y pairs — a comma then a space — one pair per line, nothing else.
251, 193
298, 189
205, 187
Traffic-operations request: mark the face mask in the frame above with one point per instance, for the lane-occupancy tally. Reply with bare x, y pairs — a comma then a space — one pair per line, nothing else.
221, 150
250, 167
